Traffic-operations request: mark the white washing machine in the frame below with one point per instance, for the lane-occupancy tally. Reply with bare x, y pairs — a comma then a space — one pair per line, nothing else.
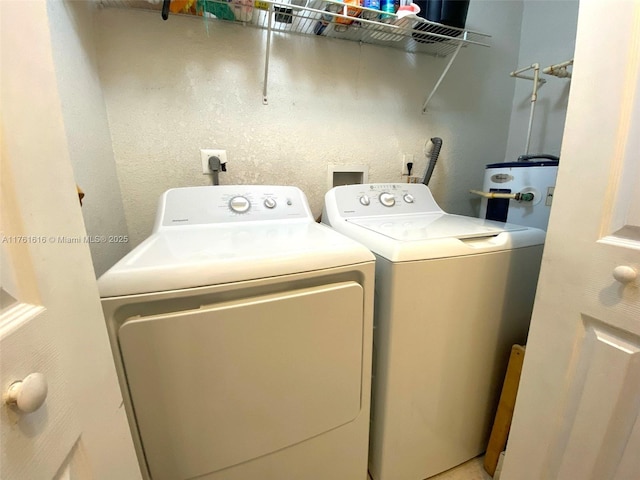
242, 331
453, 294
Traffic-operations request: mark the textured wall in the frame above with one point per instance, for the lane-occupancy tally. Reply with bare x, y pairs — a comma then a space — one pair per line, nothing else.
174, 87
548, 38
87, 128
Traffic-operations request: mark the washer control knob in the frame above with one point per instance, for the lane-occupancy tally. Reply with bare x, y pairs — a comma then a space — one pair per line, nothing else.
270, 202
365, 200
239, 204
408, 198
387, 199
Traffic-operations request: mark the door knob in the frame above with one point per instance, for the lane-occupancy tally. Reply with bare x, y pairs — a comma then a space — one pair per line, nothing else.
27, 395
625, 274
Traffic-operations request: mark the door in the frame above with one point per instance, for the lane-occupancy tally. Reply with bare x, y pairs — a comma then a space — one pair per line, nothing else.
577, 412
235, 380
68, 422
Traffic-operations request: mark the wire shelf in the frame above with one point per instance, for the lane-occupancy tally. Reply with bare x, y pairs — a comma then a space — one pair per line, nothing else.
335, 19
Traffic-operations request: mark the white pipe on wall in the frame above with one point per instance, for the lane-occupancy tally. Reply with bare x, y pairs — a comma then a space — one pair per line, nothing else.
559, 70
537, 81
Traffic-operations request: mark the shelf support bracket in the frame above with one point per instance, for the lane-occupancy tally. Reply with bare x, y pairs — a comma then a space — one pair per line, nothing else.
266, 59
442, 75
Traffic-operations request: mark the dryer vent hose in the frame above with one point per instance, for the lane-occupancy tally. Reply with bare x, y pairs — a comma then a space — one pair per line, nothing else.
433, 158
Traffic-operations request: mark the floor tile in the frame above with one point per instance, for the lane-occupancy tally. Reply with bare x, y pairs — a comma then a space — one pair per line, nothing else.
471, 470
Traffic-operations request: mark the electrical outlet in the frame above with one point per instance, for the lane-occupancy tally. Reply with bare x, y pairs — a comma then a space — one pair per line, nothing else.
406, 159
205, 153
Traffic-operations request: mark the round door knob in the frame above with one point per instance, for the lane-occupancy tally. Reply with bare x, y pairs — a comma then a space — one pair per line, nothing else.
625, 274
29, 394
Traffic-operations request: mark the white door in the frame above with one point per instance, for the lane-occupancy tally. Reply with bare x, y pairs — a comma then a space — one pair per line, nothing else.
51, 321
577, 412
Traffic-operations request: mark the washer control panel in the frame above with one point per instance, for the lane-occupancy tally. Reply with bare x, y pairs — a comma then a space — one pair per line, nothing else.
382, 199
231, 204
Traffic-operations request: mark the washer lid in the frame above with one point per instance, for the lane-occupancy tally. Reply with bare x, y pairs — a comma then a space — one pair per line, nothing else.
433, 226
199, 255
415, 237
413, 227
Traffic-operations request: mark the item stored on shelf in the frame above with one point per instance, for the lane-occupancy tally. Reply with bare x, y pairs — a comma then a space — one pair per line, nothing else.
451, 13
219, 10
374, 4
432, 10
242, 10
283, 14
454, 13
446, 12
352, 11
407, 8
387, 6
405, 21
326, 19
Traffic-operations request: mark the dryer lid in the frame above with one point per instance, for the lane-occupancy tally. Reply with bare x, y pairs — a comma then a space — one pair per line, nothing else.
229, 233
196, 256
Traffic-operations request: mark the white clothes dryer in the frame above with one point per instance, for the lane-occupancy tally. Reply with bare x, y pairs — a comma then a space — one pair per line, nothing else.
453, 294
241, 331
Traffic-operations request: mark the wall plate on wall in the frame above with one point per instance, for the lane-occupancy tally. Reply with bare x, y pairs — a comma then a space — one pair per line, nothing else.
347, 175
205, 153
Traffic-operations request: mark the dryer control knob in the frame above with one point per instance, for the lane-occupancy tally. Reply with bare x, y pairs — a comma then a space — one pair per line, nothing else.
364, 200
408, 198
239, 204
270, 202
387, 199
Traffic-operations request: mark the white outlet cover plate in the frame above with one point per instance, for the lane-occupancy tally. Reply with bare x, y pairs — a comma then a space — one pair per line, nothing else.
205, 153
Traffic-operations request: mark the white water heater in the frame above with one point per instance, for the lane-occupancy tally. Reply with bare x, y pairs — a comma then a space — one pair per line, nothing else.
522, 177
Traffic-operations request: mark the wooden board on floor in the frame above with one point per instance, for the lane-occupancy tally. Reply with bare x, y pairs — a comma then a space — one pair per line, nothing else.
502, 422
